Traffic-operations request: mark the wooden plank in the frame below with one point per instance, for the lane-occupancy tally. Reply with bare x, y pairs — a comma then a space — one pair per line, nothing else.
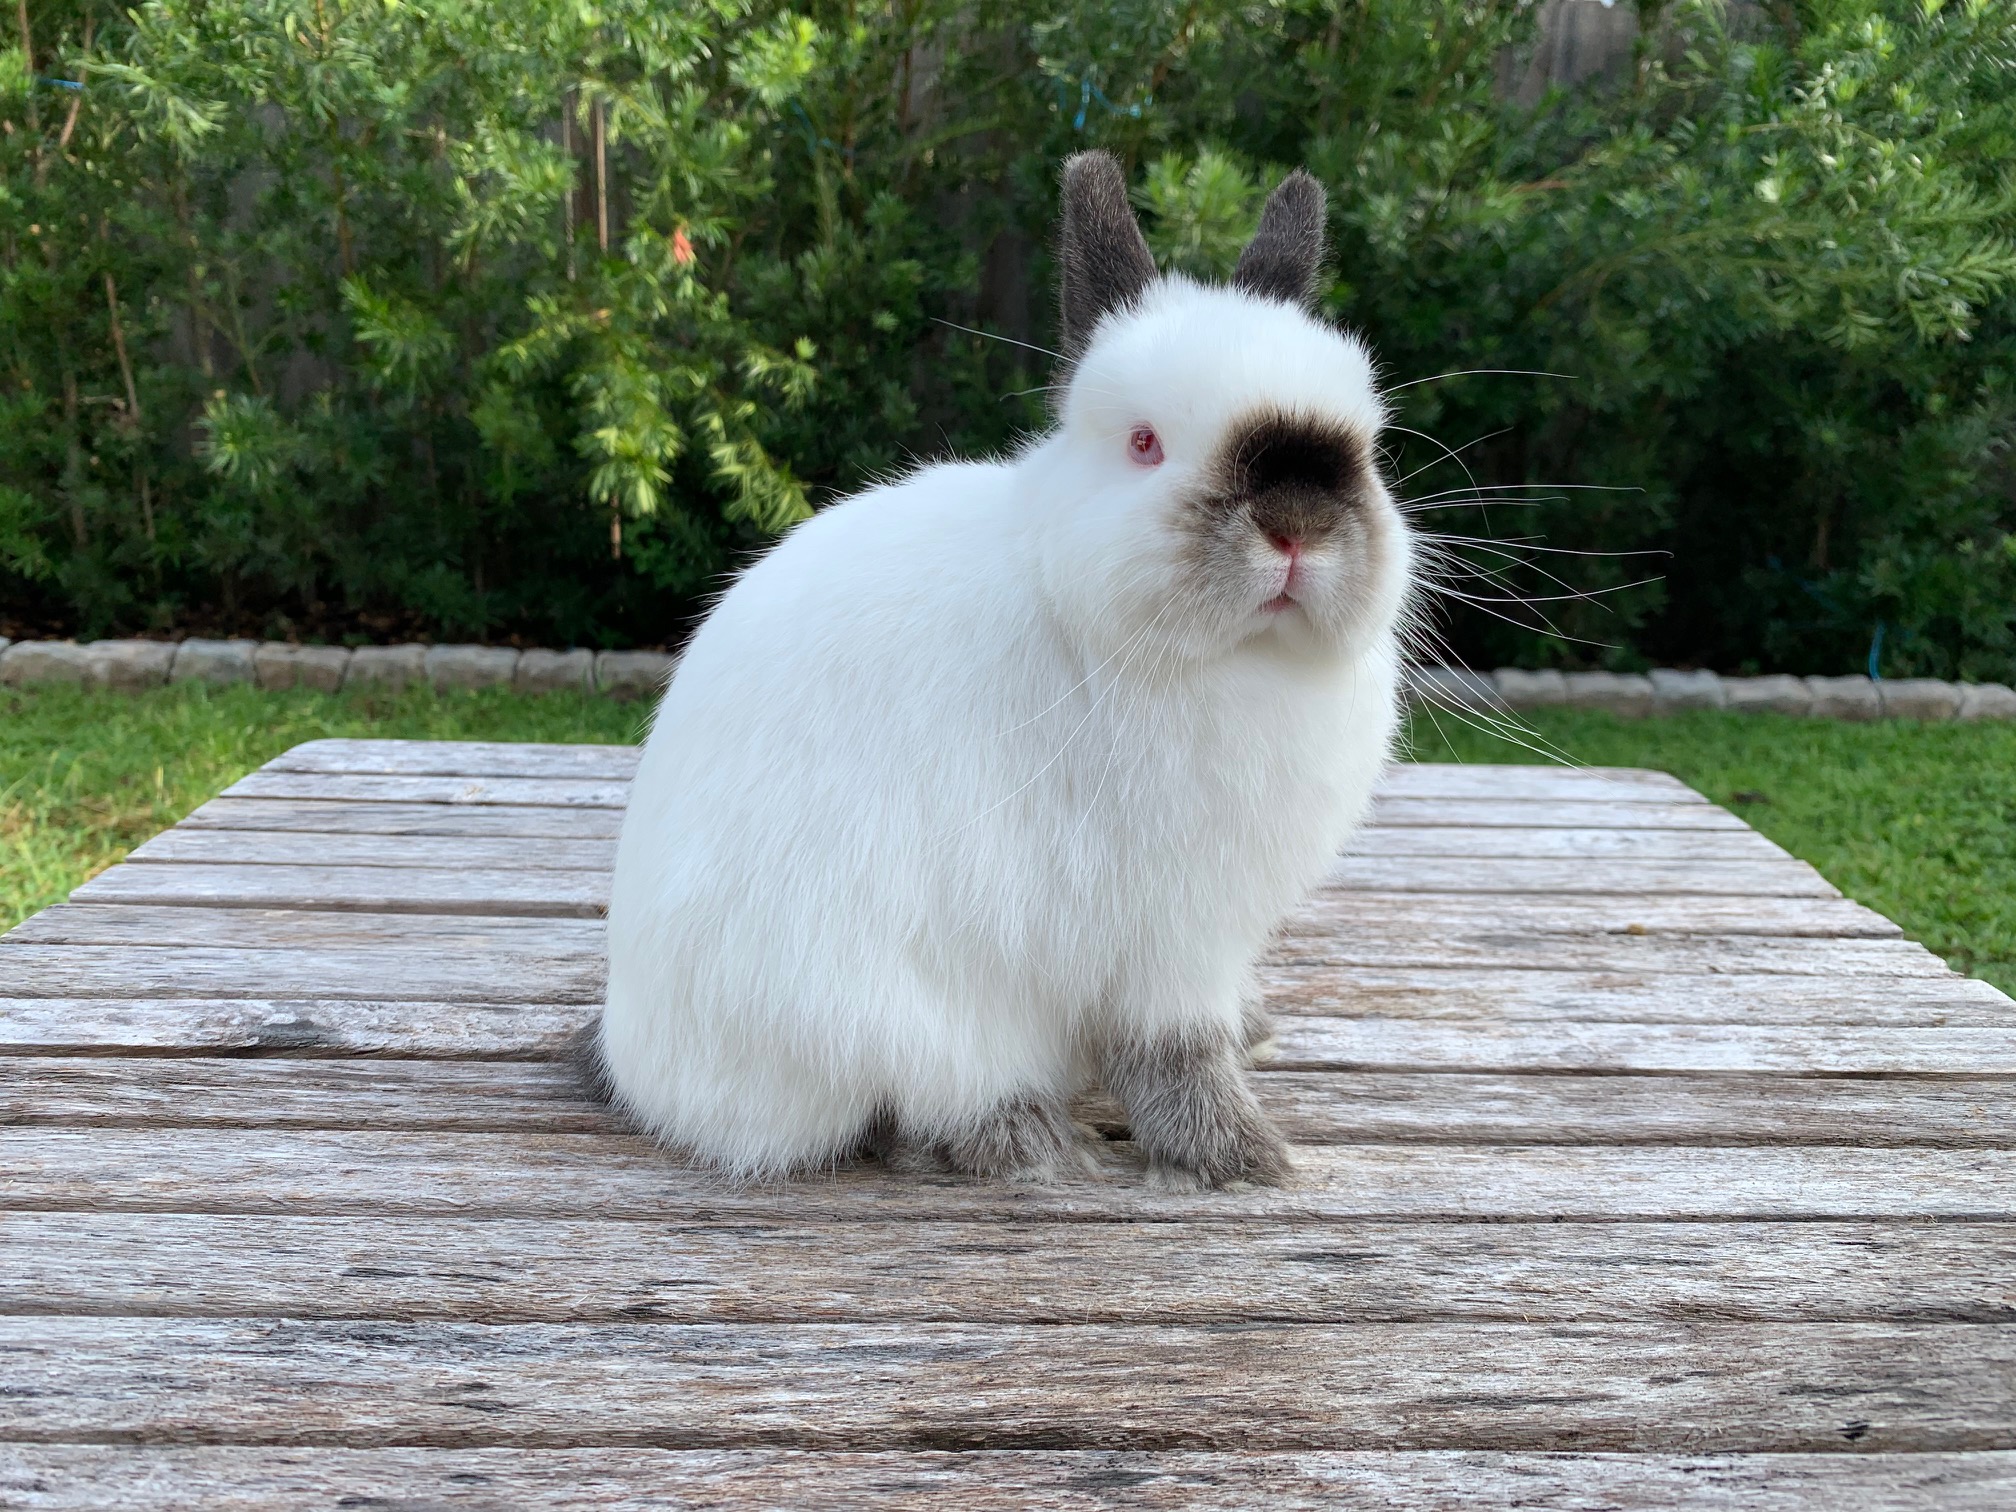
292, 930
1561, 844
335, 817
308, 1026
1589, 873
1311, 1107
69, 1477
538, 792
1386, 920
457, 758
1341, 911
461, 758
1633, 875
355, 889
1534, 783
1485, 946
295, 848
1525, 995
1727, 897
409, 970
1730, 841
545, 1026
114, 972
562, 1175
1621, 1386
1372, 1043
559, 1270
1564, 813
1580, 812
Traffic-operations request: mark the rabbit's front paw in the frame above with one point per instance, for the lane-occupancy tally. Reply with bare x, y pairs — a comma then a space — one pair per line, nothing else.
1029, 1139
1194, 1115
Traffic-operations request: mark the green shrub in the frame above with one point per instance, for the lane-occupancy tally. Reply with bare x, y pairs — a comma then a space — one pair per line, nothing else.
309, 323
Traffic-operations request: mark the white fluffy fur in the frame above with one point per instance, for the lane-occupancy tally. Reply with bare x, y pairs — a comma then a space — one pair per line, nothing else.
967, 774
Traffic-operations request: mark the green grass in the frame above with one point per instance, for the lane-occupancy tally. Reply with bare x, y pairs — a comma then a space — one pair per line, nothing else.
86, 776
1918, 822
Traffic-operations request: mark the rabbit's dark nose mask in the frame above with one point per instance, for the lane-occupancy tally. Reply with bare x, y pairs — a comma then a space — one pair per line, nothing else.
1297, 477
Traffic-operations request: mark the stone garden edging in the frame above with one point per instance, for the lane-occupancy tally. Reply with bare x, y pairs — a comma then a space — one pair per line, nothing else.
133, 664
1666, 691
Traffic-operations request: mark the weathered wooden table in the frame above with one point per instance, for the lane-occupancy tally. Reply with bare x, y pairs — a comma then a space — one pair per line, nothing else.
1637, 1169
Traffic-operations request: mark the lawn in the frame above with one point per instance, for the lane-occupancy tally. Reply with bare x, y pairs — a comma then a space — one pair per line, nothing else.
85, 777
1918, 822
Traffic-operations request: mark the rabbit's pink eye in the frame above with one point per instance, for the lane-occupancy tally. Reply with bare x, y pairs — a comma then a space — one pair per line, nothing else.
1145, 447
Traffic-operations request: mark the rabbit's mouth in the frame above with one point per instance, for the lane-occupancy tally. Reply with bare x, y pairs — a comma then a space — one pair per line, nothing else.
1278, 603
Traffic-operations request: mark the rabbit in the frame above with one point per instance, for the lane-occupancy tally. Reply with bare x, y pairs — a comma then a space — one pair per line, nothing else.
992, 782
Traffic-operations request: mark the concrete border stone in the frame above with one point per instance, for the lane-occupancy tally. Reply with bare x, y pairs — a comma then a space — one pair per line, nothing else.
542, 671
1987, 701
1845, 697
1772, 694
1624, 693
276, 664
214, 661
1918, 698
469, 667
388, 667
128, 665
1543, 689
632, 674
137, 664
30, 663
1673, 691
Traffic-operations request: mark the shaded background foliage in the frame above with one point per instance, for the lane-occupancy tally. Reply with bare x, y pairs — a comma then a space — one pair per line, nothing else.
354, 318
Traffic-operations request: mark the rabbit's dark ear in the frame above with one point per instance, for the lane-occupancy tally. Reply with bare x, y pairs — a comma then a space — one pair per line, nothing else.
1282, 260
1103, 260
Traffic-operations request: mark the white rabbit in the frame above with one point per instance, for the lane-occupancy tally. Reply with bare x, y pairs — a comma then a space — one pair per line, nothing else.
992, 782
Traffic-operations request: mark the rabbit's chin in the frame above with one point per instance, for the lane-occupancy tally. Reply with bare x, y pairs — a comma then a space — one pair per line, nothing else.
1199, 598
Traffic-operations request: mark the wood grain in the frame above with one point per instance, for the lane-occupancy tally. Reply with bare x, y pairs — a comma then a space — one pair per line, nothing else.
1470, 842
65, 1478
1402, 916
1559, 813
1521, 995
1724, 875
504, 1174
1599, 875
539, 792
355, 889
1512, 783
1616, 1129
488, 853
461, 758
1311, 1107
295, 930
1743, 1387
1353, 1044
302, 1026
334, 817
1583, 810
584, 1270
458, 758
112, 972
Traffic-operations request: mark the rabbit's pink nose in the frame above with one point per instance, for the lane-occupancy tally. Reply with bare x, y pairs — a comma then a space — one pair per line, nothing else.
1287, 545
